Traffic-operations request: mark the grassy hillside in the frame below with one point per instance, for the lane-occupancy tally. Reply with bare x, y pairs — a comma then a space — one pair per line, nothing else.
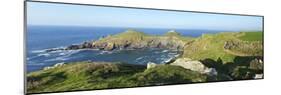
252, 36
225, 46
209, 46
234, 55
229, 54
100, 75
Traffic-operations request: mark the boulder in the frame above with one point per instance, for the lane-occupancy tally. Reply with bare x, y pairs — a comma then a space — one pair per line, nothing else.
87, 45
109, 46
256, 64
150, 65
55, 66
258, 76
53, 49
58, 64
211, 71
194, 65
72, 47
47, 68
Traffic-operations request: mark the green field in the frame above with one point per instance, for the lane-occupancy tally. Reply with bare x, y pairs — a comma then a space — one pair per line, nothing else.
252, 36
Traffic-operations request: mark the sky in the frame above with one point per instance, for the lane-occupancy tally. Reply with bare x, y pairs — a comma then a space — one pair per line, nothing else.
81, 15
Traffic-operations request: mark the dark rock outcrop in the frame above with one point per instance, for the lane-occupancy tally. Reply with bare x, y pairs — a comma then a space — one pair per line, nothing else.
84, 45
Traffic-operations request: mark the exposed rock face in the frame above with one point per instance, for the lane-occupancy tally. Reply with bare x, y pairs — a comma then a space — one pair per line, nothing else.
194, 66
59, 64
84, 45
127, 44
109, 46
244, 48
150, 65
55, 66
211, 71
256, 64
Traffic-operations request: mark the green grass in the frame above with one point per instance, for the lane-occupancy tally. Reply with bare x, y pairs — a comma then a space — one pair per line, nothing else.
81, 76
168, 74
209, 46
252, 36
101, 75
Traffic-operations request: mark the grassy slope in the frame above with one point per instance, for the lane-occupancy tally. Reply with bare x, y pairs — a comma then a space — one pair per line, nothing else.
252, 36
211, 46
81, 76
99, 75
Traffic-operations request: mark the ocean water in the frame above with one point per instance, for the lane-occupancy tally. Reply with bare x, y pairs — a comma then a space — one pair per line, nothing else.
40, 38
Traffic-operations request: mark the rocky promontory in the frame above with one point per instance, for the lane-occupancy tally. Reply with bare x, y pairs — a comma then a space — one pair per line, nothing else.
132, 39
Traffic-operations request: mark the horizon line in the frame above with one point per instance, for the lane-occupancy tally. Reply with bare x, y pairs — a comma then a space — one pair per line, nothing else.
230, 30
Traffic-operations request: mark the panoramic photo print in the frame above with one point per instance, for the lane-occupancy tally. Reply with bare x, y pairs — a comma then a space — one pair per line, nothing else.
71, 47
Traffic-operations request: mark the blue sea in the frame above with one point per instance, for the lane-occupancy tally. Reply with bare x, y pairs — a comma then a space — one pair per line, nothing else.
40, 38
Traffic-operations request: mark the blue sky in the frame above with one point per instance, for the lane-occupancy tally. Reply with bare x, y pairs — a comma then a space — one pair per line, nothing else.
79, 15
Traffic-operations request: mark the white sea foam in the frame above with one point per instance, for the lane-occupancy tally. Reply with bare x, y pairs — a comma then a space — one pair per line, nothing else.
62, 53
140, 58
44, 54
165, 51
45, 50
173, 53
68, 52
168, 60
35, 64
30, 58
39, 55
38, 51
106, 52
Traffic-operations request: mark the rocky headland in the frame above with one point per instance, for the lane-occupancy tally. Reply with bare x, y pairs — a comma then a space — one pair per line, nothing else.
132, 39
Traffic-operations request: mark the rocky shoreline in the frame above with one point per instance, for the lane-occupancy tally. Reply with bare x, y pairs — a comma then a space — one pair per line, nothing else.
109, 46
